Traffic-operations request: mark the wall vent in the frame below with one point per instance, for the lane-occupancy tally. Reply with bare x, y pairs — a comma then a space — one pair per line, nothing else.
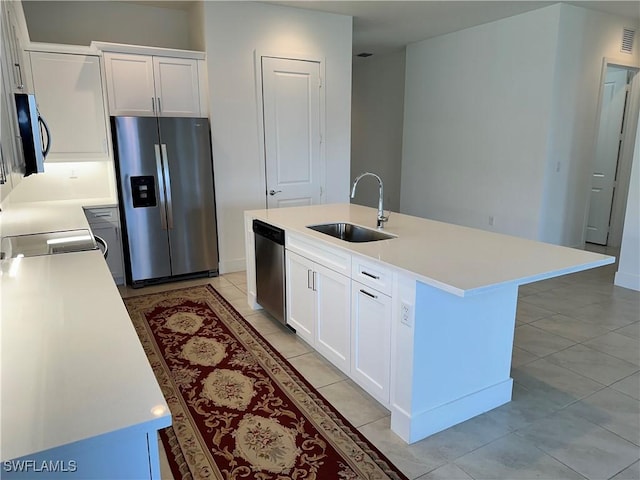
627, 40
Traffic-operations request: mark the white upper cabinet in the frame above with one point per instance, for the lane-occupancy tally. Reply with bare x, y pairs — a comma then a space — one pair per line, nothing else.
143, 85
14, 37
176, 81
68, 90
130, 86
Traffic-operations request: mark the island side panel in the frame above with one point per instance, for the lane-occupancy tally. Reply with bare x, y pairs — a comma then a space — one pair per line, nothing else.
130, 453
461, 362
250, 258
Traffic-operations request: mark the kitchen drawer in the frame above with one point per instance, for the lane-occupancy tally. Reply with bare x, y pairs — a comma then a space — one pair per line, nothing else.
372, 274
332, 258
102, 215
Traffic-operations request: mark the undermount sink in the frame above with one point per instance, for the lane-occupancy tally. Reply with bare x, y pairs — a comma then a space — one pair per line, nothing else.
350, 232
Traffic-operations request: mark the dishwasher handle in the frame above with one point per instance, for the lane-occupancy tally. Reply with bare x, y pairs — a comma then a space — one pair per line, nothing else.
270, 232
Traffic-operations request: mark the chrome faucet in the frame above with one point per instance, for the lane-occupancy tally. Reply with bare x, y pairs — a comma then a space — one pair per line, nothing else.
381, 218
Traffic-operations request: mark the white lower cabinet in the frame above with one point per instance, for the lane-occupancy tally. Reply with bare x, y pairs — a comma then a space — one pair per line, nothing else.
301, 298
105, 223
371, 340
346, 316
319, 308
333, 292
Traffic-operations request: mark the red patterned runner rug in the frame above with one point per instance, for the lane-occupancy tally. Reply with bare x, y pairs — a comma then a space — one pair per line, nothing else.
240, 410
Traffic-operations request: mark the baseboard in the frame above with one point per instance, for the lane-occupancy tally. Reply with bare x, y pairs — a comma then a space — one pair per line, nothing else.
627, 280
421, 425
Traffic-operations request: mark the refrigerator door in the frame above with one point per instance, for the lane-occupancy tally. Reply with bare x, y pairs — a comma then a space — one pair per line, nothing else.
186, 150
142, 196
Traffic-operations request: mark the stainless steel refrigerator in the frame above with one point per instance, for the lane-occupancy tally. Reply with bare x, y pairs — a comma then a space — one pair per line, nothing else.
166, 194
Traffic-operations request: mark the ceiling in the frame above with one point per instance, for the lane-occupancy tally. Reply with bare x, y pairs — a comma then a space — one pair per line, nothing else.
382, 26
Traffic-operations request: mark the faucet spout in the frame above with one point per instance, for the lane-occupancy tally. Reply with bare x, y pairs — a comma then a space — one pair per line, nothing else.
381, 217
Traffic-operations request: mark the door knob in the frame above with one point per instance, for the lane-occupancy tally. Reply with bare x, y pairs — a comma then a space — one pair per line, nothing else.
273, 192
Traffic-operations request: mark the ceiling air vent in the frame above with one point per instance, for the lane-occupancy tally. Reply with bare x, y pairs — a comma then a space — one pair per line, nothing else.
627, 40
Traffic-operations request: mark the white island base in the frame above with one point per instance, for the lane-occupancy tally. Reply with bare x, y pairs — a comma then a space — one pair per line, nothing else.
455, 363
424, 322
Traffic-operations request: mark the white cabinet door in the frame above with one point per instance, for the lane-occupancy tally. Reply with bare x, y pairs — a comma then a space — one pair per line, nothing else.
105, 223
130, 85
371, 340
177, 89
319, 308
69, 93
111, 236
333, 312
301, 298
13, 39
144, 85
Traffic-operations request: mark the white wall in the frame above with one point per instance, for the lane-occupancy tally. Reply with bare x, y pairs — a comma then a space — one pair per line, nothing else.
500, 121
477, 115
377, 110
628, 274
585, 38
80, 22
233, 32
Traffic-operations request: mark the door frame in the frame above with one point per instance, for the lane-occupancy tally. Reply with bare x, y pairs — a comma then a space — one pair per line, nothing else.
623, 176
262, 156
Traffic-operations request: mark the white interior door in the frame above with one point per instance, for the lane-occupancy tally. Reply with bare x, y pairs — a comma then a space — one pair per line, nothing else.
607, 150
292, 131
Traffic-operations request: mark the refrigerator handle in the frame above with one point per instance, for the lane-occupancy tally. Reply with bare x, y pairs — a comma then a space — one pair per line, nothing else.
163, 211
167, 183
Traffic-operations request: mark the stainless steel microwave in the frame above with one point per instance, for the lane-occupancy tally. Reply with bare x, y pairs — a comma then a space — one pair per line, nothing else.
34, 134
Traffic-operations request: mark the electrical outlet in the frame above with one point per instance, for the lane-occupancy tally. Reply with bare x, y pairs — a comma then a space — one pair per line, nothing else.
405, 314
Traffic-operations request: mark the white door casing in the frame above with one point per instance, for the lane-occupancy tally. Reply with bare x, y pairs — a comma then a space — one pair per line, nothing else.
607, 149
292, 131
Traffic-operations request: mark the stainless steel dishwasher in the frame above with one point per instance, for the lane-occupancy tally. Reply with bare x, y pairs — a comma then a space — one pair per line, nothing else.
270, 269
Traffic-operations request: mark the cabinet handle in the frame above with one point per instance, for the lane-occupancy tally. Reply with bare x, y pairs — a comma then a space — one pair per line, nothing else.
153, 104
315, 277
159, 106
20, 85
368, 294
309, 279
104, 214
371, 275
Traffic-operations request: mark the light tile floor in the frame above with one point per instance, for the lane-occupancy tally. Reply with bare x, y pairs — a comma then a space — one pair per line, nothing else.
575, 412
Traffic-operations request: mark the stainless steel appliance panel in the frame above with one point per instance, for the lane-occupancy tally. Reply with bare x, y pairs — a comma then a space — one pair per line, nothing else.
270, 269
186, 151
138, 153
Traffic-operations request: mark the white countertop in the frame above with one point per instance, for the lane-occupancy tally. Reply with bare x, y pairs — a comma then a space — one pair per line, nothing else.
460, 260
72, 364
37, 217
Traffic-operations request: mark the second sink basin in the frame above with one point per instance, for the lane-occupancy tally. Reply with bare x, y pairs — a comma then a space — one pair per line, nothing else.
350, 232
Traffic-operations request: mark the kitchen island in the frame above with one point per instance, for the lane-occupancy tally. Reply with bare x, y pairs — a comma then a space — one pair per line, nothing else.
79, 398
423, 321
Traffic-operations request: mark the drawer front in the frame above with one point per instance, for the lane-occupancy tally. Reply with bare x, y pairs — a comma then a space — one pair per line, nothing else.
332, 258
102, 215
373, 275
